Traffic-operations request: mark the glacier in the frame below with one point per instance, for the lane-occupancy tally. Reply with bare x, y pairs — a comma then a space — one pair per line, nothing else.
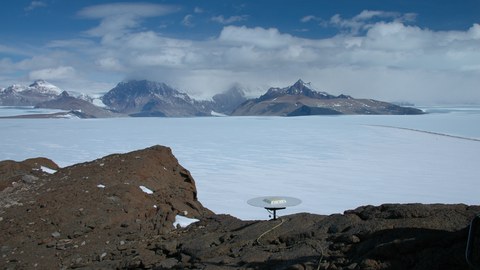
331, 163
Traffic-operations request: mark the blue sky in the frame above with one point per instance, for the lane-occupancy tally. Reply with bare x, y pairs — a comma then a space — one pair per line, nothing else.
418, 51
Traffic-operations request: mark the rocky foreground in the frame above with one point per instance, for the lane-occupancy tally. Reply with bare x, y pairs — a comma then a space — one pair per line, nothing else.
118, 212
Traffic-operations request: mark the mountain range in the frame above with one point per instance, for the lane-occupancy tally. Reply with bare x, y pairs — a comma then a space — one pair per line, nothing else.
142, 98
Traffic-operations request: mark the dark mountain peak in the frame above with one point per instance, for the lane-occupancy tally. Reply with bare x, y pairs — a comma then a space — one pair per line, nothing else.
306, 89
64, 94
300, 88
301, 84
37, 83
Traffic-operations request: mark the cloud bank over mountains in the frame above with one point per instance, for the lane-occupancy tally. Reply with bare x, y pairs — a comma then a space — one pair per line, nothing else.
376, 54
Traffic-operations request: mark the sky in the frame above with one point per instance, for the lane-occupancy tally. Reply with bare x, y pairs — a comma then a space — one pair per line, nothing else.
424, 52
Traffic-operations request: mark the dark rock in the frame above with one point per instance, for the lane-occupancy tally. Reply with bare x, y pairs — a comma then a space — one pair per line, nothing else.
29, 179
167, 263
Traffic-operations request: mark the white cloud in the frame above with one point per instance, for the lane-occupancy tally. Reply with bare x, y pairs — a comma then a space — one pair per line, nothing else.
34, 5
260, 37
369, 14
70, 43
187, 20
365, 20
309, 18
11, 50
229, 20
116, 18
126, 9
198, 10
58, 73
110, 64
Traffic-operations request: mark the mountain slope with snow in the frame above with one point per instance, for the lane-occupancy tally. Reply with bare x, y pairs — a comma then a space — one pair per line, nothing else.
44, 87
83, 108
37, 92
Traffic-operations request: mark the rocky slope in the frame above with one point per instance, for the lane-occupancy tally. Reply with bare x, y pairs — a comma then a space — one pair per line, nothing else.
118, 212
147, 98
81, 107
300, 99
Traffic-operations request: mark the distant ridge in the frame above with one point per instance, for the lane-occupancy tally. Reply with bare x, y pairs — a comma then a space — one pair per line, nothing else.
301, 99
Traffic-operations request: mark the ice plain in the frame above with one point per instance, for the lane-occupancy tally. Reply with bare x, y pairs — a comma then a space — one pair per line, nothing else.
332, 163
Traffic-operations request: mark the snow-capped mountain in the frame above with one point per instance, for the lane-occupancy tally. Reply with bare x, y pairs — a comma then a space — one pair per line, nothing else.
44, 87
20, 95
301, 99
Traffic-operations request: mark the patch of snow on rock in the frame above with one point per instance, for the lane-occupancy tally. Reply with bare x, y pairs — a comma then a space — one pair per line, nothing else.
98, 102
100, 186
146, 190
183, 221
214, 113
47, 170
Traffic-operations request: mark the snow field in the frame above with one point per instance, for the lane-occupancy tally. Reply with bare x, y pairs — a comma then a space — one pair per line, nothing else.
331, 163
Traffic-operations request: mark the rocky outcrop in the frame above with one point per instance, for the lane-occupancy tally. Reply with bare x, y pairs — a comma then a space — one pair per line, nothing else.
118, 212
73, 216
300, 99
393, 236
